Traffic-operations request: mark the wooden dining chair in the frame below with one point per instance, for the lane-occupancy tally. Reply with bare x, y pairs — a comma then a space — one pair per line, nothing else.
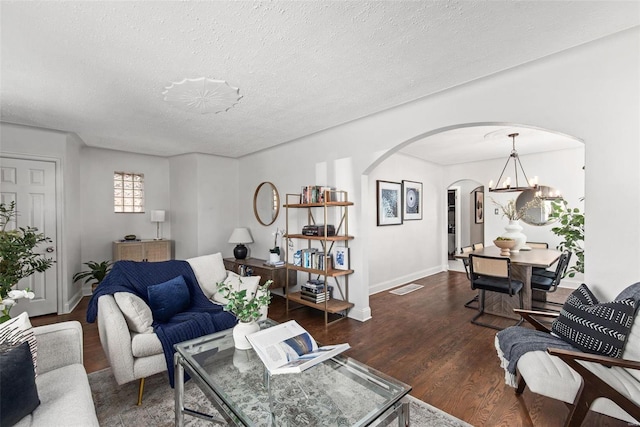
493, 274
537, 245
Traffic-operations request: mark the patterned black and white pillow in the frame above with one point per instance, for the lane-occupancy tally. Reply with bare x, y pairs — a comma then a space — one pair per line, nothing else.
595, 327
17, 330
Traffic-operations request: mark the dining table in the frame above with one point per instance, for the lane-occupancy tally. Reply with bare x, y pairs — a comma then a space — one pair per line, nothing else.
522, 263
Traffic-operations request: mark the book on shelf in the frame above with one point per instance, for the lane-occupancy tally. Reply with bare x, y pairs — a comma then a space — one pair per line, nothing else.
274, 263
316, 194
288, 348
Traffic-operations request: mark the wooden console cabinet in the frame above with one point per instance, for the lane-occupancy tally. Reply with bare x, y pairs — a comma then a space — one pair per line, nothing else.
266, 272
143, 250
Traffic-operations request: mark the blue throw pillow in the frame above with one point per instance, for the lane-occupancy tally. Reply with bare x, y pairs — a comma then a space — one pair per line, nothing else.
19, 395
168, 299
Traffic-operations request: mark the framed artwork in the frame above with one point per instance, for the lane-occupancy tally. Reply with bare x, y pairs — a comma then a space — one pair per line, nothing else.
341, 259
479, 206
411, 200
389, 198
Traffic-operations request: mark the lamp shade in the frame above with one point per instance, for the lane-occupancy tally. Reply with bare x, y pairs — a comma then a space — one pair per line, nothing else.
157, 216
241, 236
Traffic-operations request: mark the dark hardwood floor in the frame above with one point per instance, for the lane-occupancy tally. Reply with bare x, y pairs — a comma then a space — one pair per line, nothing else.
424, 339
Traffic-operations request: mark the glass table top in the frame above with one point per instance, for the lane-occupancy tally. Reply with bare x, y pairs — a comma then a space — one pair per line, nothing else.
337, 392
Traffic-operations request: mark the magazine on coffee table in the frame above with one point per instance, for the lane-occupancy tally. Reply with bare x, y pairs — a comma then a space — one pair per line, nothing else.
288, 348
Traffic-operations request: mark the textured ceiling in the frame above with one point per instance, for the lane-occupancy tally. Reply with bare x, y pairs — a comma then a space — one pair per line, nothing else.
99, 68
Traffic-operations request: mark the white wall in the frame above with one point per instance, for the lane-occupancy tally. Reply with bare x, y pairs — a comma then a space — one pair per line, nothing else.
590, 92
204, 204
100, 224
415, 245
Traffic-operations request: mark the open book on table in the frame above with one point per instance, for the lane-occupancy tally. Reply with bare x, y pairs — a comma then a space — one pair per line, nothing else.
288, 348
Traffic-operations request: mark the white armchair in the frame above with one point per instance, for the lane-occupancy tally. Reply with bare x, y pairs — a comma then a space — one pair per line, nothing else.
585, 381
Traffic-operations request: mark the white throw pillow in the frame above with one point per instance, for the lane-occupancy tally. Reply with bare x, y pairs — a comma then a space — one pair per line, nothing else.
237, 283
136, 312
17, 330
209, 270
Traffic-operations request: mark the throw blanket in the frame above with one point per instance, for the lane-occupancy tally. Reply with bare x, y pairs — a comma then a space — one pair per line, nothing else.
514, 341
201, 318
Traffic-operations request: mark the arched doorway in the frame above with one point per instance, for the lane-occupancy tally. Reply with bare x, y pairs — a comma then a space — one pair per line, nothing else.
451, 149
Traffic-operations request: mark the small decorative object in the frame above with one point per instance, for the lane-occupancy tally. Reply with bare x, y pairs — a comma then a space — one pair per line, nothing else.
341, 259
514, 229
412, 200
246, 308
505, 244
130, 237
274, 253
240, 236
96, 273
389, 195
17, 259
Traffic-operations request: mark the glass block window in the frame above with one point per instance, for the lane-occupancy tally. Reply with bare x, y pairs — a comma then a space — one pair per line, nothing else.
128, 192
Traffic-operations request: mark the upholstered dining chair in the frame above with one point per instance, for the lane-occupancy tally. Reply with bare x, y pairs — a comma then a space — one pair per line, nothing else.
465, 262
477, 246
548, 281
493, 274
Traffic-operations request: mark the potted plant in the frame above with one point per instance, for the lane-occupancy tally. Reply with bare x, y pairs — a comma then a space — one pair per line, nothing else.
246, 307
571, 229
17, 259
96, 273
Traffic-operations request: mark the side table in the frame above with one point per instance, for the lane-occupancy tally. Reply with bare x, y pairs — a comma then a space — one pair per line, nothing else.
266, 272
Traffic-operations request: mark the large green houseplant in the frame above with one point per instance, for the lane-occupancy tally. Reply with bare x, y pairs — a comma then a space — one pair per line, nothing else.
571, 229
18, 258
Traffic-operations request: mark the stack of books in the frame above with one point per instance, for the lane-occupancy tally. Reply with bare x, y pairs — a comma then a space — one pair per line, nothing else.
274, 263
314, 291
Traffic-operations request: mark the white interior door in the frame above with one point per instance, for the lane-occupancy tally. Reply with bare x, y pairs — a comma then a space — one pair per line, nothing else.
32, 185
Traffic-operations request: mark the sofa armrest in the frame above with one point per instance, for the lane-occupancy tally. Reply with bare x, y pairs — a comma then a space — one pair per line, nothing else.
568, 355
530, 317
59, 344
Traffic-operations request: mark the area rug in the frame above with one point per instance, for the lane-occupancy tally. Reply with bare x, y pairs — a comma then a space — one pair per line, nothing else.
406, 289
116, 405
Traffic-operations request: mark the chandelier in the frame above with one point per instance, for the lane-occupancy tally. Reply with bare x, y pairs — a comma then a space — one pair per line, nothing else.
506, 186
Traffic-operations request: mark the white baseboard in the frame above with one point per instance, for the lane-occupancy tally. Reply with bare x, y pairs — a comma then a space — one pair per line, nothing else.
390, 284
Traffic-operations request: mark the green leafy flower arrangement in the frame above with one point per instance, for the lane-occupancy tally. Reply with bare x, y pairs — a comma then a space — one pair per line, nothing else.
244, 308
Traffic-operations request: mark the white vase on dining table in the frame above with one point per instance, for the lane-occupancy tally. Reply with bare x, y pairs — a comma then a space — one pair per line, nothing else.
514, 231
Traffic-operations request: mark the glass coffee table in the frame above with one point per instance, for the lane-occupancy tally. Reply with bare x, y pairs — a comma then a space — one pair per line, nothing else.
337, 392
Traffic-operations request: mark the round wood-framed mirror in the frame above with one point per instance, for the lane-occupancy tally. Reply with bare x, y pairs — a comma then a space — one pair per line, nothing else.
266, 203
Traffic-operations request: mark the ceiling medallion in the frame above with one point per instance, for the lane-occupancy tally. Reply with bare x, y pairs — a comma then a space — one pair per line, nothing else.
202, 95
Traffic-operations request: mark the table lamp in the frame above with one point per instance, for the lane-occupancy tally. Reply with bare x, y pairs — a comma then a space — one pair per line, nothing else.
157, 217
240, 236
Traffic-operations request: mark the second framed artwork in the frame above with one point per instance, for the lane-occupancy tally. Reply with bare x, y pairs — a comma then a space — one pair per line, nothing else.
389, 202
479, 207
411, 200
